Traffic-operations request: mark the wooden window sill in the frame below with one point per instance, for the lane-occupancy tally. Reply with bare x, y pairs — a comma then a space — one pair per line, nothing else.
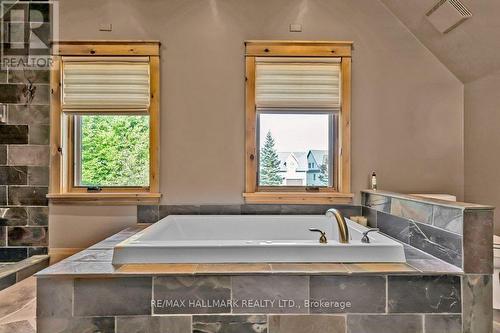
123, 198
298, 198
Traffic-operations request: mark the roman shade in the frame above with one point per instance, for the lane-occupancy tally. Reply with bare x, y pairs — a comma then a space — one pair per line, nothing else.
106, 84
297, 82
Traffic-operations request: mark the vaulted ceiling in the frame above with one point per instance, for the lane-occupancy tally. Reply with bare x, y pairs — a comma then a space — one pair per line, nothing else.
470, 51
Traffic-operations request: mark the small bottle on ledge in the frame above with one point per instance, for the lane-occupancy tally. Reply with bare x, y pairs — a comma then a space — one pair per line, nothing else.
373, 182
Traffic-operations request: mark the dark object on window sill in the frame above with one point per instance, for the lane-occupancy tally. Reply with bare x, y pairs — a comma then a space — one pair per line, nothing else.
94, 189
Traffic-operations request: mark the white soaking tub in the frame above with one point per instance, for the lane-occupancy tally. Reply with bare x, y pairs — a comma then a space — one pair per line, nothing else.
250, 239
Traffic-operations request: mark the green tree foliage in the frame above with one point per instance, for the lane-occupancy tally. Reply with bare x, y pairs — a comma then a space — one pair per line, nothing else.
115, 150
269, 163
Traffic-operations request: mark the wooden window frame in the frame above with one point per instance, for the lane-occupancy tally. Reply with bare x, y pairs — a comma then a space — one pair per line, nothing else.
61, 186
298, 195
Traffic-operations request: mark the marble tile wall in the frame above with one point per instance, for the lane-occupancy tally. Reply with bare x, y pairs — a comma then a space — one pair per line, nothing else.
453, 232
24, 161
215, 303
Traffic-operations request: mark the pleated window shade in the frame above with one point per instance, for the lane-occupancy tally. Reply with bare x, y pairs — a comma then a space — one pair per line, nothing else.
106, 84
298, 83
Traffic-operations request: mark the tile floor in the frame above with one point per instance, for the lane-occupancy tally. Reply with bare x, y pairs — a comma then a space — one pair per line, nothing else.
18, 307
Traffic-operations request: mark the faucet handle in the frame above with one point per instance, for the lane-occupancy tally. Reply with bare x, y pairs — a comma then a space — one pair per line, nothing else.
322, 238
365, 238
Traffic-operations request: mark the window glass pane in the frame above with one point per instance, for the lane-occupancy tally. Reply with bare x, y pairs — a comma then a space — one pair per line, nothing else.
294, 149
112, 150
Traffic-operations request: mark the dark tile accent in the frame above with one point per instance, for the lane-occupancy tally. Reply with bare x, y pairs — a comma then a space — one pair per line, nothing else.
28, 155
26, 76
3, 236
11, 93
54, 298
478, 247
230, 324
3, 195
39, 135
148, 213
13, 175
307, 323
70, 325
149, 324
371, 215
477, 303
412, 210
117, 296
38, 215
3, 76
255, 209
354, 294
12, 254
13, 216
3, 154
28, 196
34, 251
268, 288
393, 226
27, 236
437, 242
347, 210
448, 218
166, 210
196, 291
377, 202
29, 114
13, 134
220, 209
424, 294
443, 324
384, 324
7, 281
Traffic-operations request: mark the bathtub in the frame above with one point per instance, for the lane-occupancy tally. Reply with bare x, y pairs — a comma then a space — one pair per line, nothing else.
250, 239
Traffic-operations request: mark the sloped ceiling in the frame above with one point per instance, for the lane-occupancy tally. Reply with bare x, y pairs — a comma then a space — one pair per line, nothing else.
470, 51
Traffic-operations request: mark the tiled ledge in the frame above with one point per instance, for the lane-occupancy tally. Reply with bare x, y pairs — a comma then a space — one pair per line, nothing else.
444, 203
458, 233
12, 273
96, 261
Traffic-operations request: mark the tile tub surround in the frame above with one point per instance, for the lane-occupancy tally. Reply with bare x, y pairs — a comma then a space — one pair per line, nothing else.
86, 292
452, 231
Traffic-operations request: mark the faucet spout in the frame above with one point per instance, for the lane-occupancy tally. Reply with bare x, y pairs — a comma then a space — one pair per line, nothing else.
343, 230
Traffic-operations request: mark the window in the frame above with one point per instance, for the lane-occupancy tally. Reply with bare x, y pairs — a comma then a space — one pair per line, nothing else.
105, 123
298, 122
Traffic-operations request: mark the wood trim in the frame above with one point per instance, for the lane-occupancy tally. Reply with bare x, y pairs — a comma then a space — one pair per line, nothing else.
298, 198
345, 130
62, 189
154, 125
55, 126
106, 48
298, 48
105, 198
342, 167
250, 128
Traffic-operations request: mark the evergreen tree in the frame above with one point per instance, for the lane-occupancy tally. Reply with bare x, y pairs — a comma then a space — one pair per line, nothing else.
323, 176
269, 163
